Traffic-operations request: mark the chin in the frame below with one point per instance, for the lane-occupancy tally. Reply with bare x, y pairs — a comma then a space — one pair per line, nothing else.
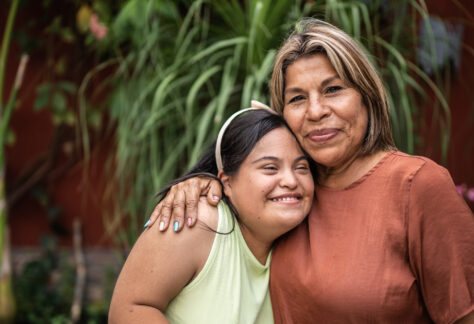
288, 221
327, 159
323, 155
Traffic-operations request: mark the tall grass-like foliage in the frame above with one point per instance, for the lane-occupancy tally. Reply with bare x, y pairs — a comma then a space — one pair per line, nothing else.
185, 66
7, 300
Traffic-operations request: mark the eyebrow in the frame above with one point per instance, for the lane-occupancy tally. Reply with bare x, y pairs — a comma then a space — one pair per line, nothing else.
323, 84
329, 80
273, 158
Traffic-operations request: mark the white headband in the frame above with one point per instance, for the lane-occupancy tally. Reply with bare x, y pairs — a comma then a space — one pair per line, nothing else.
255, 105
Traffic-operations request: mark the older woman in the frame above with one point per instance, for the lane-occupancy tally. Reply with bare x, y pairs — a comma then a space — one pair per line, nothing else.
388, 239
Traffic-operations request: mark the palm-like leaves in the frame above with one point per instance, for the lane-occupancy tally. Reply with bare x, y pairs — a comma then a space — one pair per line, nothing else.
188, 65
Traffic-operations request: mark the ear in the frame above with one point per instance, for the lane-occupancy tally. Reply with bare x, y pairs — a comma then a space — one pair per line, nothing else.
226, 181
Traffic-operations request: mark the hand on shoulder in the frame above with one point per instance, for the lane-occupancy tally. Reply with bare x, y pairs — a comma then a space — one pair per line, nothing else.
208, 215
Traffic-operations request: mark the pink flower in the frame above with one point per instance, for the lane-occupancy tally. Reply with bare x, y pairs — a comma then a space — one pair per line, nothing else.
461, 189
470, 194
97, 29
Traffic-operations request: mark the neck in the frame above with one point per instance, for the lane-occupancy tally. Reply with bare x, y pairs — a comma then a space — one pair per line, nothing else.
344, 175
259, 248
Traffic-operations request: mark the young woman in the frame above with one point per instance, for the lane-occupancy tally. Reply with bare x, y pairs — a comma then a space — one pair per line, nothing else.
218, 272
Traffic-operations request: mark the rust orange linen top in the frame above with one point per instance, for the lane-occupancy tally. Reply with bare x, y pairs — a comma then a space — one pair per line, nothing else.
396, 246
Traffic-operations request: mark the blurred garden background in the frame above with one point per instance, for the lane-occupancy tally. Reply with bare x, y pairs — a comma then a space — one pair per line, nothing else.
103, 102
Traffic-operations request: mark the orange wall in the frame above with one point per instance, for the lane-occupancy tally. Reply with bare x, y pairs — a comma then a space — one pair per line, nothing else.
76, 196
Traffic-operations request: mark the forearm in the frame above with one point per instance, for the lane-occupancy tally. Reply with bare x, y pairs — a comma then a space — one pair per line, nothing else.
135, 313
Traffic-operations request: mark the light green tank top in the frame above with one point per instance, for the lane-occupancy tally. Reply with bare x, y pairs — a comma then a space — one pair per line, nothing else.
232, 287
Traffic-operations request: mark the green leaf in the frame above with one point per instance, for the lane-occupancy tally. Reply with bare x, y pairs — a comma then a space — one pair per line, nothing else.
10, 138
58, 103
69, 118
167, 8
217, 46
42, 100
67, 87
95, 119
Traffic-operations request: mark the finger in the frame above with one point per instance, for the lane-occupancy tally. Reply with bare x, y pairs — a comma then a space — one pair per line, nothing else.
215, 193
192, 200
166, 205
154, 216
177, 214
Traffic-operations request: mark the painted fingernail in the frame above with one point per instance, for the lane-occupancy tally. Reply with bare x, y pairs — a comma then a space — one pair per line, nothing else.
190, 221
147, 223
162, 225
215, 198
176, 226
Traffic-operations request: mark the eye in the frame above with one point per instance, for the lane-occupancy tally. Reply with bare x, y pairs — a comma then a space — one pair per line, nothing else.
333, 89
302, 167
270, 168
295, 99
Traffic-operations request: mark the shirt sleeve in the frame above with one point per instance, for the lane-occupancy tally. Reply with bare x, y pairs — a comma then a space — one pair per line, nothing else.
441, 244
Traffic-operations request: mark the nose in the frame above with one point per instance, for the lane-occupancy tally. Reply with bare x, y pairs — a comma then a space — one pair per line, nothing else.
317, 109
288, 179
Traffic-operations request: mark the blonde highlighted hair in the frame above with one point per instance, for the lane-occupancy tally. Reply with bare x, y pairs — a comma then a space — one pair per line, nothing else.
312, 37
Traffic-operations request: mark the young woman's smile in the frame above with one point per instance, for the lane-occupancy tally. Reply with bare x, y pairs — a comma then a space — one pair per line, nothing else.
273, 188
289, 198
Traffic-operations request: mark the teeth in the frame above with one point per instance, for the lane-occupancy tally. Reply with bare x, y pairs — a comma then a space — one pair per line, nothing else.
285, 199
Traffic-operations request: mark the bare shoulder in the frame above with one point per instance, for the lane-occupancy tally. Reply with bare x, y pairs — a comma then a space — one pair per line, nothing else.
160, 264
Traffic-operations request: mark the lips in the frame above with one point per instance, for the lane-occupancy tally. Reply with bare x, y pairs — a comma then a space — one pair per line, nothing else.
323, 135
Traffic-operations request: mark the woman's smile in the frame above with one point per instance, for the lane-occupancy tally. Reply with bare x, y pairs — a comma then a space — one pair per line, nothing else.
323, 135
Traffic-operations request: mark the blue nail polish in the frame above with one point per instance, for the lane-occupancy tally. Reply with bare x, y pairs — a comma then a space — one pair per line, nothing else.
147, 223
175, 226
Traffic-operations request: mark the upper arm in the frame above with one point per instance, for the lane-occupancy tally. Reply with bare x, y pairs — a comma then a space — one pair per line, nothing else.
441, 240
158, 268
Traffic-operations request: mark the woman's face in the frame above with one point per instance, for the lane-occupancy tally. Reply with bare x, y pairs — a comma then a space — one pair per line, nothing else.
328, 117
273, 188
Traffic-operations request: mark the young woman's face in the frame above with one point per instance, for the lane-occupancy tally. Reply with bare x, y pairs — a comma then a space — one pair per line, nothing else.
273, 188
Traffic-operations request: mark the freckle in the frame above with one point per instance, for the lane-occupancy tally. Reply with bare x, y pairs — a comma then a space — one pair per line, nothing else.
131, 310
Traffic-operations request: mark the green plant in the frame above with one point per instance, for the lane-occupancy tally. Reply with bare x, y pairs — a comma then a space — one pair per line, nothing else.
45, 287
7, 301
184, 66
97, 312
55, 97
